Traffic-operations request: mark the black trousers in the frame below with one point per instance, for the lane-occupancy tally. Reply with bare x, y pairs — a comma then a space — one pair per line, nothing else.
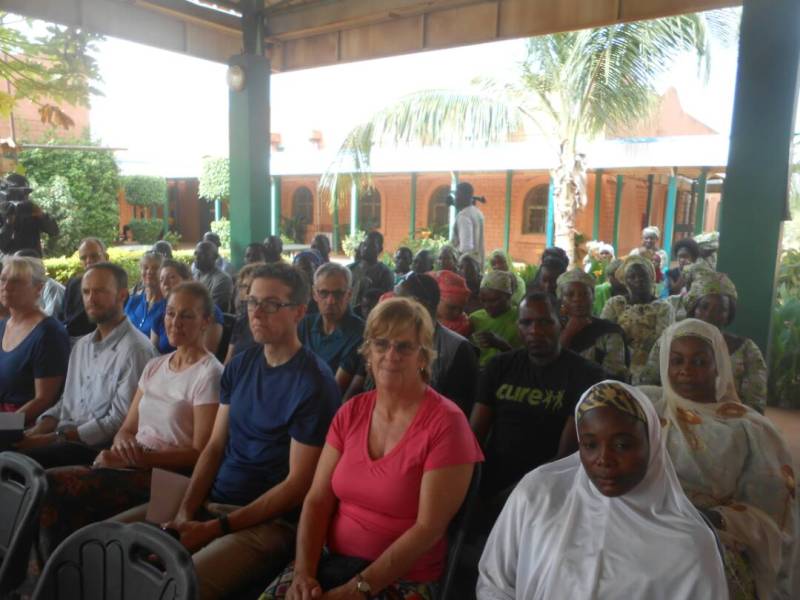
62, 454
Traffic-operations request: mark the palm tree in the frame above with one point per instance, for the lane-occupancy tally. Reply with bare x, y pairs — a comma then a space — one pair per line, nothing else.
571, 86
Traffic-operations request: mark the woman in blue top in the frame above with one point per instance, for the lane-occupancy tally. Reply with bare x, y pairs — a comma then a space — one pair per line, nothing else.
148, 305
35, 348
170, 275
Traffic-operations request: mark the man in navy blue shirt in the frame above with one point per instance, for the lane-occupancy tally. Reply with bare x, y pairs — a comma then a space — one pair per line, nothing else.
277, 400
334, 333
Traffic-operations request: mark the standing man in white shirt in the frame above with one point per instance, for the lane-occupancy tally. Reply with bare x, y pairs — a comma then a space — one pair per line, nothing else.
468, 230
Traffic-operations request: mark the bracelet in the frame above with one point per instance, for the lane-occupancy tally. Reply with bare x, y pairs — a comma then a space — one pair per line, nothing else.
224, 524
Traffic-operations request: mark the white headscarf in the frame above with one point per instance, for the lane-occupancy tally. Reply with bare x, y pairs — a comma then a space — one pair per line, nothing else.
732, 460
560, 537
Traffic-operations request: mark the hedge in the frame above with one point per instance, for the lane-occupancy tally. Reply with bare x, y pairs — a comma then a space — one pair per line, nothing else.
146, 231
64, 267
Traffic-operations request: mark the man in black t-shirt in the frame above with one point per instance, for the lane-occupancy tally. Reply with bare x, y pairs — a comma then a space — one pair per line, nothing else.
524, 414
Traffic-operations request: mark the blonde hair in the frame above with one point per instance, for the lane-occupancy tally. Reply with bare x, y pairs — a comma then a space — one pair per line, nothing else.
397, 315
25, 265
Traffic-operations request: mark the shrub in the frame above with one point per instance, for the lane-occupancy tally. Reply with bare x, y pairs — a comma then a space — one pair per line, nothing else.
144, 190
215, 179
62, 268
223, 229
425, 242
351, 242
784, 364
87, 204
146, 231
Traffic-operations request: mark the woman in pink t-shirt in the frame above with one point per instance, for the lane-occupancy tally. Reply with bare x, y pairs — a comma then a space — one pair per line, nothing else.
167, 426
394, 471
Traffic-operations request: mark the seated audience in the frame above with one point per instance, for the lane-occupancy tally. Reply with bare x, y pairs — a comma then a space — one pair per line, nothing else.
688, 275
51, 300
241, 336
402, 263
369, 272
713, 299
334, 333
526, 399
277, 400
495, 325
642, 316
222, 264
597, 340
395, 468
686, 251
146, 307
308, 261
447, 260
162, 247
470, 270
273, 244
732, 463
423, 262
603, 292
322, 244
167, 427
499, 260
454, 369
255, 253
369, 301
35, 348
454, 294
554, 264
172, 274
610, 521
218, 283
103, 372
90, 252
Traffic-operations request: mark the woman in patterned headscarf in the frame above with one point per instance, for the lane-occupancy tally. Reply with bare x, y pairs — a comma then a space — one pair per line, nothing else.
732, 462
712, 298
595, 339
501, 261
641, 315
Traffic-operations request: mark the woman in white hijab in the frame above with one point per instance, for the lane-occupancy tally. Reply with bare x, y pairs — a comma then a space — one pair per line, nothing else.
610, 521
731, 461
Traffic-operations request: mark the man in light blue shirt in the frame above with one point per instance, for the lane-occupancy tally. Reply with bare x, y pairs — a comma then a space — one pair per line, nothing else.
102, 377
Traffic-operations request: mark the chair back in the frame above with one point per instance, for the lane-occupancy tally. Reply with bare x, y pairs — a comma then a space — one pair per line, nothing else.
116, 561
23, 485
228, 321
457, 534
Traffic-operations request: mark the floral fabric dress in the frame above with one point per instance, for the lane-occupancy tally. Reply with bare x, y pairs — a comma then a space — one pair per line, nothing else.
643, 324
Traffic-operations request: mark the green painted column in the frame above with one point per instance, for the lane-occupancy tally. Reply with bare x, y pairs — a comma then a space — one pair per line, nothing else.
248, 131
217, 209
507, 216
617, 207
353, 208
551, 215
700, 209
452, 212
275, 206
754, 198
669, 217
598, 199
412, 223
650, 181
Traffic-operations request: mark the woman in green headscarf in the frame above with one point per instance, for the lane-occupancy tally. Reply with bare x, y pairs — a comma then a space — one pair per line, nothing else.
712, 298
641, 315
499, 260
597, 340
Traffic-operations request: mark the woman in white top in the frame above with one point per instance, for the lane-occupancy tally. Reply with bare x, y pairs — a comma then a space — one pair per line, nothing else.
167, 426
610, 521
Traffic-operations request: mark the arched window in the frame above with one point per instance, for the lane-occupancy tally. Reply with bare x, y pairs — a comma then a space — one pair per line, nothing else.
303, 205
369, 209
534, 211
438, 209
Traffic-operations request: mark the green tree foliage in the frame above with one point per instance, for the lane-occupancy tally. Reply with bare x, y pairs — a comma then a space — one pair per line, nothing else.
784, 357
87, 204
47, 69
215, 179
144, 190
146, 231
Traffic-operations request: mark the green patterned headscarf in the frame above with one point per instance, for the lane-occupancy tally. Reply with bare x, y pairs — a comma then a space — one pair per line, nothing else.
574, 276
499, 281
707, 282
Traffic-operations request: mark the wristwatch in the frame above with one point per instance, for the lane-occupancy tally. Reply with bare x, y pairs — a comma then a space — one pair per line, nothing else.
362, 586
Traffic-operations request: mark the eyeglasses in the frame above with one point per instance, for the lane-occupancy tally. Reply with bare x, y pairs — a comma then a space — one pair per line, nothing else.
337, 294
405, 348
268, 306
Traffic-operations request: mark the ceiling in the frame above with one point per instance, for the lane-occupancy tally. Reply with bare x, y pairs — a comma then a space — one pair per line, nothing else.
310, 33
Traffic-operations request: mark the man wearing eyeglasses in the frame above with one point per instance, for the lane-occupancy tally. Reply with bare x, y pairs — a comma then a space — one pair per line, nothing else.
277, 400
335, 333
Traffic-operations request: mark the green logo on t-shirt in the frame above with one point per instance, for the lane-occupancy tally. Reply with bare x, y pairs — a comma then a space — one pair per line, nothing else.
551, 399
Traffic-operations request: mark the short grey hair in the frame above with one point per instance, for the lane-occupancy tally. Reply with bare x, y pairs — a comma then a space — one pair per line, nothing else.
332, 268
17, 265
